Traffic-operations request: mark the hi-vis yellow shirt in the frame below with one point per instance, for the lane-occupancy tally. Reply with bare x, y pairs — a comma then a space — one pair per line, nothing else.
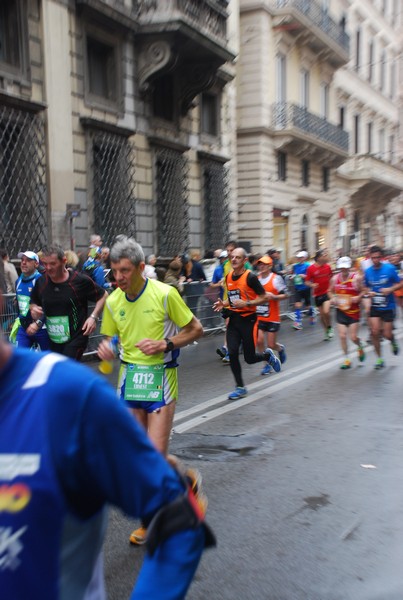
158, 312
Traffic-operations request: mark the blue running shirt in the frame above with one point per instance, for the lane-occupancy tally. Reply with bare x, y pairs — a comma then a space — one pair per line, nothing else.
67, 448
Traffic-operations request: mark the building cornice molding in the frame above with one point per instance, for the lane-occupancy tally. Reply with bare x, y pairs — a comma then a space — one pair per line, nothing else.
205, 155
22, 103
90, 123
165, 142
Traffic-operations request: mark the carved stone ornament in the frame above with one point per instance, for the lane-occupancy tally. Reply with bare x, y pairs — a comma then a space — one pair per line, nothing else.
195, 79
145, 6
154, 58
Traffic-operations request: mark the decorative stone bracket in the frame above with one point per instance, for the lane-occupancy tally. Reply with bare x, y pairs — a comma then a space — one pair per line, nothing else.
155, 58
195, 79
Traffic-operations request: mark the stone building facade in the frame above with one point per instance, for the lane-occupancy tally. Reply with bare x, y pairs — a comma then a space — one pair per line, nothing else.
304, 182
116, 116
371, 182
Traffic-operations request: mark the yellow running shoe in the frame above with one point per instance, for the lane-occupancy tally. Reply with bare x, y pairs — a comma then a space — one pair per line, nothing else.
346, 364
138, 536
194, 479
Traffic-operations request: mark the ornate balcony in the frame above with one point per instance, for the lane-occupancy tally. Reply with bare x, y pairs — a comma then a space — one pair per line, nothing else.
204, 21
182, 39
314, 27
372, 178
185, 38
123, 13
307, 135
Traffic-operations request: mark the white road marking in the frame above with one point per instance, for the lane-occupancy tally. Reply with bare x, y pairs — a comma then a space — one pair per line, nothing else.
284, 380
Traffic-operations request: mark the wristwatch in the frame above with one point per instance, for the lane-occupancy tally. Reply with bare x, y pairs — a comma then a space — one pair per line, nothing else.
170, 346
39, 323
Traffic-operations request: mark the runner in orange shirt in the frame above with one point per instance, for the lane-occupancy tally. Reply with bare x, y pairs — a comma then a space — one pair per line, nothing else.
269, 314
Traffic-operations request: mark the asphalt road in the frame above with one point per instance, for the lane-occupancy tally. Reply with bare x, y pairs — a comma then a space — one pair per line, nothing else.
304, 476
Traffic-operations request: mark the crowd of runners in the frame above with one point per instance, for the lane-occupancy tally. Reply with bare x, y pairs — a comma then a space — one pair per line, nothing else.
145, 322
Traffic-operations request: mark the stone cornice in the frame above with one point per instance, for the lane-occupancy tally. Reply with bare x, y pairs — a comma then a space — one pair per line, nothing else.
22, 103
90, 123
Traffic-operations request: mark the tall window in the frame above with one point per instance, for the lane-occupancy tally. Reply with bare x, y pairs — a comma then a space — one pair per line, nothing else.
382, 144
356, 134
11, 42
324, 100
392, 148
342, 111
164, 98
304, 232
369, 138
209, 112
393, 79
281, 166
382, 74
370, 61
304, 88
305, 173
102, 69
325, 179
281, 79
357, 49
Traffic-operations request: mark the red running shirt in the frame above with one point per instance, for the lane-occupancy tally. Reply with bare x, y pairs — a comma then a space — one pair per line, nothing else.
320, 274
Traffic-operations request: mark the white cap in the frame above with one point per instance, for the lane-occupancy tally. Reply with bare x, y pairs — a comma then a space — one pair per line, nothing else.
223, 254
302, 254
30, 255
344, 262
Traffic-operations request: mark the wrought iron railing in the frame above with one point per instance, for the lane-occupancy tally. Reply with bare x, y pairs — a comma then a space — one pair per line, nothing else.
319, 17
204, 15
287, 115
23, 198
127, 8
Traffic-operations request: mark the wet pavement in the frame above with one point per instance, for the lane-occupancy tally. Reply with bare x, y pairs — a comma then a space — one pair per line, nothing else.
303, 476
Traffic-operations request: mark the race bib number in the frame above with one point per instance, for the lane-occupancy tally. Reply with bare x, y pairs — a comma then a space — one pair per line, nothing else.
58, 329
343, 301
379, 301
233, 295
263, 310
144, 382
298, 280
23, 304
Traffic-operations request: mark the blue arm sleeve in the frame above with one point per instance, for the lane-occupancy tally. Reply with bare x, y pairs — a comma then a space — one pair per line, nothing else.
103, 455
168, 574
99, 277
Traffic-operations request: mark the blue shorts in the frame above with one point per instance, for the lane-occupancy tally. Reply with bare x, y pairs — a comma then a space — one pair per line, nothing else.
170, 391
23, 340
